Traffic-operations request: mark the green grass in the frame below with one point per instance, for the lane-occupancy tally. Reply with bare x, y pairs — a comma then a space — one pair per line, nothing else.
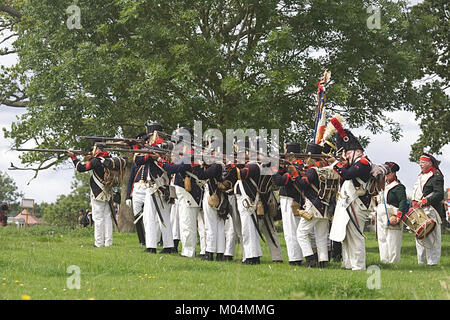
34, 262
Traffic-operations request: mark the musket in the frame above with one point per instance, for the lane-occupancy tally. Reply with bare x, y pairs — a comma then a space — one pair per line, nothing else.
130, 140
81, 152
115, 144
157, 150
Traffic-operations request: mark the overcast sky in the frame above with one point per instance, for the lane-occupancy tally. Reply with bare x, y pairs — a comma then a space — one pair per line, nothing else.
51, 183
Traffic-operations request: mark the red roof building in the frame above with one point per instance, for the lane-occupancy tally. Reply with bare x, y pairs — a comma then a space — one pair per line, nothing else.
29, 218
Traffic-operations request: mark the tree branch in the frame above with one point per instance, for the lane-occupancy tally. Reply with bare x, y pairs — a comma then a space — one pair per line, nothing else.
8, 37
14, 104
40, 167
11, 11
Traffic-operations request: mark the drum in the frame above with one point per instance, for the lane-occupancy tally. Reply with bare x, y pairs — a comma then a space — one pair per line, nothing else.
418, 221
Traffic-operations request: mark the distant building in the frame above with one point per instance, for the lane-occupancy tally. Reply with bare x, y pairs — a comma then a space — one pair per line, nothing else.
28, 217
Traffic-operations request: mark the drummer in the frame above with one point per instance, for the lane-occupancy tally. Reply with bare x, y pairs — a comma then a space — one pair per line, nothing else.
428, 193
391, 206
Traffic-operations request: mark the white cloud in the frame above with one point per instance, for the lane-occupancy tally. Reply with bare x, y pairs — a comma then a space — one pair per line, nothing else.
49, 184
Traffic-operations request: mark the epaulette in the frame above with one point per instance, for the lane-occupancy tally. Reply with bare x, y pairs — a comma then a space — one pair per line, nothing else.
364, 160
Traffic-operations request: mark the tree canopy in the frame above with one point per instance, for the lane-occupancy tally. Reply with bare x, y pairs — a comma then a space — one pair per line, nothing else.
230, 64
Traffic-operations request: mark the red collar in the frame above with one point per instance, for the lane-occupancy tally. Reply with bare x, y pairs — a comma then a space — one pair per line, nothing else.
430, 169
393, 179
158, 141
102, 154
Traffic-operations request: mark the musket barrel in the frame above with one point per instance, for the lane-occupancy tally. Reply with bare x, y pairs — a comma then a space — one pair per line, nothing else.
137, 150
111, 139
53, 150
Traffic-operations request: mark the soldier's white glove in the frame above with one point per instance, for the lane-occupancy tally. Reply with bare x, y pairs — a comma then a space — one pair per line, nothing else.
128, 202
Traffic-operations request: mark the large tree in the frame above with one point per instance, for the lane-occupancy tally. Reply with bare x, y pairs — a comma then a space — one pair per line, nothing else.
228, 63
9, 192
428, 35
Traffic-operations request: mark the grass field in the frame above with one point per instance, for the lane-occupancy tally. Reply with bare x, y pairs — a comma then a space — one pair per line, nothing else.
35, 261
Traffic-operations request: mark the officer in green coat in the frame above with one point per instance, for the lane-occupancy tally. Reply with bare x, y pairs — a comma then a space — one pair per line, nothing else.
428, 193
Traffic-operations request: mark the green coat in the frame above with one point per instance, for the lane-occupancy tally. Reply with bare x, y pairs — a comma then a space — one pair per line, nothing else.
397, 197
433, 190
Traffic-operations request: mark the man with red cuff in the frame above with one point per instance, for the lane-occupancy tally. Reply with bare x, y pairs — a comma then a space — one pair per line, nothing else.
285, 179
428, 193
100, 195
135, 196
156, 211
354, 203
392, 205
320, 185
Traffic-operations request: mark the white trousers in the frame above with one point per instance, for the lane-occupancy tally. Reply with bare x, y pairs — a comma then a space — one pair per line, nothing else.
214, 227
230, 237
429, 248
201, 229
290, 225
354, 246
175, 220
138, 197
236, 225
152, 222
250, 239
187, 215
103, 229
319, 227
389, 238
267, 228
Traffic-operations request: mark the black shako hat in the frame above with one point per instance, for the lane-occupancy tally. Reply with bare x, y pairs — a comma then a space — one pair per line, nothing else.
312, 148
152, 126
393, 167
347, 141
292, 147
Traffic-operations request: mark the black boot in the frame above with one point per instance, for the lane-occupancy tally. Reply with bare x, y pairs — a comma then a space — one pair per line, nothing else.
150, 250
323, 264
336, 251
316, 259
167, 250
310, 262
209, 256
227, 258
251, 261
140, 232
175, 245
296, 263
219, 257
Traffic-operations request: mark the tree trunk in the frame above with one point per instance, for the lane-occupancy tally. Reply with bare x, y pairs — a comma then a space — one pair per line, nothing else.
126, 216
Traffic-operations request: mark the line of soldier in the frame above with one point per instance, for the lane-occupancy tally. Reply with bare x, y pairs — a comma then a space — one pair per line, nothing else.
323, 204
